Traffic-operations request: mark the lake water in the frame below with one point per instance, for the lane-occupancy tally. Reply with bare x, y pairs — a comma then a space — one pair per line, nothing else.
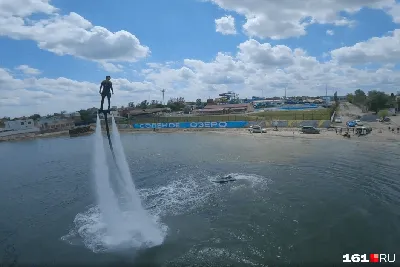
294, 202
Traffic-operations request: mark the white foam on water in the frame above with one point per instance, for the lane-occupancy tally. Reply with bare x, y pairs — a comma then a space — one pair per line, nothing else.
189, 192
112, 225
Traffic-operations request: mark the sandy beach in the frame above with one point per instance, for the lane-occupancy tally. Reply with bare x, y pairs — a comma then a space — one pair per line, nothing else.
380, 133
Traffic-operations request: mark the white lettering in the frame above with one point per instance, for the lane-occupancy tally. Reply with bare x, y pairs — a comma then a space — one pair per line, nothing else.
141, 125
164, 125
171, 125
159, 125
200, 125
148, 125
394, 258
153, 125
355, 258
177, 125
207, 125
223, 124
382, 257
193, 125
214, 124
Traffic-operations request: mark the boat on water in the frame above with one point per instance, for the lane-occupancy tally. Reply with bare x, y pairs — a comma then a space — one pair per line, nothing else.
225, 179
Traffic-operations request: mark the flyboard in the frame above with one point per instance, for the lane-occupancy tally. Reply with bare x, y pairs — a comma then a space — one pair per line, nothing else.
105, 112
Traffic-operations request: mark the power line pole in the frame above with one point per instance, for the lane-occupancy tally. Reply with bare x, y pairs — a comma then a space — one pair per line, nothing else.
326, 91
163, 96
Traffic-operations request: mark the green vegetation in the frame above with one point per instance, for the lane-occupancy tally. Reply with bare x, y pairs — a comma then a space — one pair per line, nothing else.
374, 100
267, 115
383, 113
175, 104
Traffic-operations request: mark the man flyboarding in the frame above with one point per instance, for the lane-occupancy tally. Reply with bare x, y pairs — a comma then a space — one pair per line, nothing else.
107, 87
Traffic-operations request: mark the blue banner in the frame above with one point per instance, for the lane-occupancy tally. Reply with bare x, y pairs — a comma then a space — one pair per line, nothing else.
186, 125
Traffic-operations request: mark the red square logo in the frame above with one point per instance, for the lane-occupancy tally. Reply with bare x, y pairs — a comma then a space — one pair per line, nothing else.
374, 257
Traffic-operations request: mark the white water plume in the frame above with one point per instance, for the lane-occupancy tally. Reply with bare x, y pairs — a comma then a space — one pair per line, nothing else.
146, 227
114, 224
107, 201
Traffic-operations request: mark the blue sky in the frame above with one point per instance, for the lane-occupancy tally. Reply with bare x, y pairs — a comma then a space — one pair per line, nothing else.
176, 31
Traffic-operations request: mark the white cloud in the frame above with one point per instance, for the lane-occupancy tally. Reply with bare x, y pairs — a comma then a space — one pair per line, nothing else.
394, 11
24, 8
255, 66
330, 32
28, 70
225, 25
110, 67
287, 18
69, 34
376, 50
26, 96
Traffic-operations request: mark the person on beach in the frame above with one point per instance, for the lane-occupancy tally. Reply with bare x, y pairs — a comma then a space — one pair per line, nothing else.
107, 87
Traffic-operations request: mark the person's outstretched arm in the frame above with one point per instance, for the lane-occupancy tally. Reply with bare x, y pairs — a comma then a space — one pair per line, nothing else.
101, 85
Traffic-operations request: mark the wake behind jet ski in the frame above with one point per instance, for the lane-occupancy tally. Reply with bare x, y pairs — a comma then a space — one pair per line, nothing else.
225, 179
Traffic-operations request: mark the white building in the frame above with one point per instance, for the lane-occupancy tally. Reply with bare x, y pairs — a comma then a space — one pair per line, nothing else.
18, 127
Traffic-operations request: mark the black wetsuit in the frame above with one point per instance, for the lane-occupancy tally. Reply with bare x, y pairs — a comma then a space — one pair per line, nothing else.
107, 85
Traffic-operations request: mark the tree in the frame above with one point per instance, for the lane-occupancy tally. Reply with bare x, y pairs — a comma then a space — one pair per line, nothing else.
350, 98
176, 104
34, 117
335, 98
131, 104
187, 109
377, 100
143, 104
198, 103
359, 97
86, 116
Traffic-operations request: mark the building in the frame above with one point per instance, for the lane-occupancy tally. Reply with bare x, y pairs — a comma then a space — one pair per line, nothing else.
225, 109
18, 127
76, 116
150, 112
54, 124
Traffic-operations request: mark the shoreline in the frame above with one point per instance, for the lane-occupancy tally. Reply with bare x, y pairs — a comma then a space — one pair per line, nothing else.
325, 134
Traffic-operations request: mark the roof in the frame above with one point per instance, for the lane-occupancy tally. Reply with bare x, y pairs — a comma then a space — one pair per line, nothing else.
226, 106
147, 111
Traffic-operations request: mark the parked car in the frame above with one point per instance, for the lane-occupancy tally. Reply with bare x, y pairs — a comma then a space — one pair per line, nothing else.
359, 123
310, 130
351, 124
338, 120
258, 129
386, 119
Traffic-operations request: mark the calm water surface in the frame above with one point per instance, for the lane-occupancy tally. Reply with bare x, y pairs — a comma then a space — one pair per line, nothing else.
295, 201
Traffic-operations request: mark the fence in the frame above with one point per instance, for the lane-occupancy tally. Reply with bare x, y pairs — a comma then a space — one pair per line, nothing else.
215, 118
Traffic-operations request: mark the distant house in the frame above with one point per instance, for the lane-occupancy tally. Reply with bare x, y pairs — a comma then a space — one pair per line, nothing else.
225, 109
54, 124
132, 112
18, 127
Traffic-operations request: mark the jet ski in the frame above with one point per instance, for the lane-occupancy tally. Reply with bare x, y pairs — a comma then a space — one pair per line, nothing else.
225, 179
